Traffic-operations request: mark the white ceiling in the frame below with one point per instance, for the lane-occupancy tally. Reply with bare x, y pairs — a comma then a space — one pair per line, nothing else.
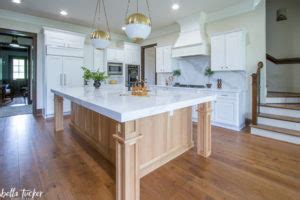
81, 12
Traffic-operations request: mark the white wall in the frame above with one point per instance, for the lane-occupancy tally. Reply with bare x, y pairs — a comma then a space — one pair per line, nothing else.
283, 41
192, 68
21, 22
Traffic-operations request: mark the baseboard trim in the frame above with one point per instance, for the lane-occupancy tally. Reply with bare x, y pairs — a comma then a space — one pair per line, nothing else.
39, 112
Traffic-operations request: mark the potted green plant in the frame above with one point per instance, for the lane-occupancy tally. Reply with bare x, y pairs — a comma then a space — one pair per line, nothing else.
208, 73
176, 74
98, 77
87, 75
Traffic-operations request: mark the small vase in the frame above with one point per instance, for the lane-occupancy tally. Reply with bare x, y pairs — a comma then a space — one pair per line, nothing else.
97, 84
208, 85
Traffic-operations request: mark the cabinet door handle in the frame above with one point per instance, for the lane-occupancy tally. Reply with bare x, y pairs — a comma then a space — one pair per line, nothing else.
60, 79
65, 79
224, 95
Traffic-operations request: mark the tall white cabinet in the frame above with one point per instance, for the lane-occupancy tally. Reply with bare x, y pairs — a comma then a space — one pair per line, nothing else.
62, 67
164, 59
132, 54
228, 51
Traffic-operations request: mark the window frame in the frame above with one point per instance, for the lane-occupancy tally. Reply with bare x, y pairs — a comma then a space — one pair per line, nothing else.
12, 67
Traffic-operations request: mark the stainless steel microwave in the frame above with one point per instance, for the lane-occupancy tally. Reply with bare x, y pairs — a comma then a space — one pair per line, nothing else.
114, 68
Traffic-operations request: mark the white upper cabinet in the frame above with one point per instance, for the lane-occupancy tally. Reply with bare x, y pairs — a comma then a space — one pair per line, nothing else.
218, 60
99, 60
63, 39
115, 55
235, 50
228, 51
132, 54
164, 59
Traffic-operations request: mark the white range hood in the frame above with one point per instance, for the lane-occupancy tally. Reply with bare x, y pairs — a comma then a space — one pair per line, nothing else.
192, 38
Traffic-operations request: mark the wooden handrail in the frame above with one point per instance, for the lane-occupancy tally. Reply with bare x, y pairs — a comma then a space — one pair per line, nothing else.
283, 60
256, 92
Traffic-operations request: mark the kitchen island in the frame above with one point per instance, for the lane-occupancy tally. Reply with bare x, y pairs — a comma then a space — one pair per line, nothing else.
136, 134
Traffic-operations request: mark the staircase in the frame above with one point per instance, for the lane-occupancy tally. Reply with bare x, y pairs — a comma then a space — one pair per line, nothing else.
279, 117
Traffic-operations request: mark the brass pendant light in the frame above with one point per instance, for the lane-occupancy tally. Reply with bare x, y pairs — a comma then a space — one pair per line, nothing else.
100, 39
138, 25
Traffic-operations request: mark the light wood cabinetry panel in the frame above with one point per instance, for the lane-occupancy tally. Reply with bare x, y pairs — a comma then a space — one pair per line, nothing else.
164, 136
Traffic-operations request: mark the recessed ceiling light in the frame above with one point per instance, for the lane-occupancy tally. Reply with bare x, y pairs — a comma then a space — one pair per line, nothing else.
123, 28
17, 1
175, 6
63, 13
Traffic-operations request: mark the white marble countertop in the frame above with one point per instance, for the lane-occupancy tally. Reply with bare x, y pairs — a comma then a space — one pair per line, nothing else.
115, 101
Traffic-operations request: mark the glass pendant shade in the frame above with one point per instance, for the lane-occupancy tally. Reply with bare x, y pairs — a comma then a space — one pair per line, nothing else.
138, 26
100, 39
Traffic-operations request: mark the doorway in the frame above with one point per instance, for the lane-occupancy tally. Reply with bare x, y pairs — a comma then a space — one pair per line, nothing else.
149, 64
17, 73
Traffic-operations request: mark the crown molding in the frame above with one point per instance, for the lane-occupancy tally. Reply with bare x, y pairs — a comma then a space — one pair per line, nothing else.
238, 9
174, 28
42, 22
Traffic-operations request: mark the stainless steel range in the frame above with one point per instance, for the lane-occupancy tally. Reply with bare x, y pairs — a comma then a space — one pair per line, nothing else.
189, 86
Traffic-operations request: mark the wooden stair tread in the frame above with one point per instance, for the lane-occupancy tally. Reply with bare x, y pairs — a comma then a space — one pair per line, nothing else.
276, 129
290, 106
283, 94
280, 117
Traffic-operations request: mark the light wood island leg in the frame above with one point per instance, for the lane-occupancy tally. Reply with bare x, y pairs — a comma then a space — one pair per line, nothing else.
203, 141
127, 162
58, 113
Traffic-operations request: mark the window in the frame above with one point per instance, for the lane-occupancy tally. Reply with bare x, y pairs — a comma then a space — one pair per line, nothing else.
18, 69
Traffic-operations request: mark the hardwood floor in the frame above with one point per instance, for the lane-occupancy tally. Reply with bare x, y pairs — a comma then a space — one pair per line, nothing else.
242, 166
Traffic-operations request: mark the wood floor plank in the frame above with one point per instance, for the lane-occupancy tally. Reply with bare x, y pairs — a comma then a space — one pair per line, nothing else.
63, 166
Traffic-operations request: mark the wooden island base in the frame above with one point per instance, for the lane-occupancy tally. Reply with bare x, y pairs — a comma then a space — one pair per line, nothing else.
138, 147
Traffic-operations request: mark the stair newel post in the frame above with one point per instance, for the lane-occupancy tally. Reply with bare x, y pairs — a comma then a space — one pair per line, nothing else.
256, 93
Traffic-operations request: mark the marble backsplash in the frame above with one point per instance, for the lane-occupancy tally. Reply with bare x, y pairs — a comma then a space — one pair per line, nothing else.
192, 72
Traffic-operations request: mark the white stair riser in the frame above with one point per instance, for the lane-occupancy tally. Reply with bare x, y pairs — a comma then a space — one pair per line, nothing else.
275, 135
282, 100
280, 111
279, 123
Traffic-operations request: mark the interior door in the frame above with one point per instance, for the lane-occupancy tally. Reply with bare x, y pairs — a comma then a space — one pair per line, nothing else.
54, 77
72, 73
218, 58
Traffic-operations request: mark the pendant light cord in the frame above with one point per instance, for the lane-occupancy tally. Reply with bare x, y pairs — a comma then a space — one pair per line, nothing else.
127, 9
107, 26
98, 9
137, 6
95, 16
149, 11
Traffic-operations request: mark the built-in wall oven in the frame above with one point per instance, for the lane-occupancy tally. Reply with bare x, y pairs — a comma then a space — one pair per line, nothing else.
114, 68
132, 74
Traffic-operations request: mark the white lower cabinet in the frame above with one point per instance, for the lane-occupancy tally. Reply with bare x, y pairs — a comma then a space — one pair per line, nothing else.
226, 110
